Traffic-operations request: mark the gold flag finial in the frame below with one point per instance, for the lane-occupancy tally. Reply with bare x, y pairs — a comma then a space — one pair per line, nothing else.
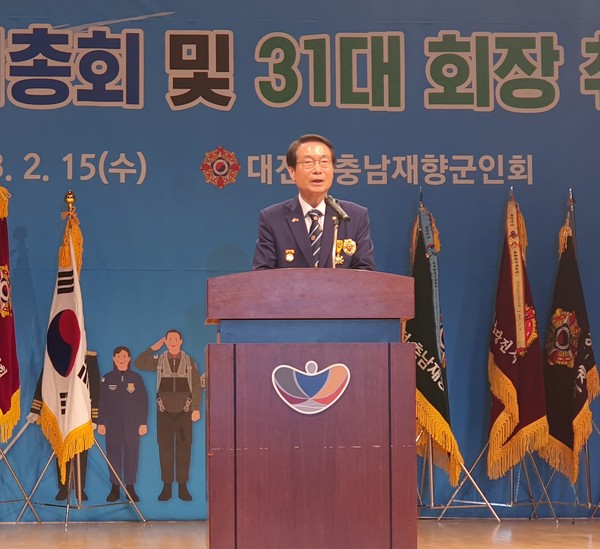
72, 230
70, 199
571, 201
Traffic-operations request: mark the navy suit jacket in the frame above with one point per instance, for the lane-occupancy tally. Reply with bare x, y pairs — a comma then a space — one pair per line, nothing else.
283, 238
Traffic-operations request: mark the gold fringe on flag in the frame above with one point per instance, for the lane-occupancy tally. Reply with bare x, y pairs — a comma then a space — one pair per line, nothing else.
507, 420
4, 196
505, 452
446, 453
582, 429
593, 383
506, 456
73, 229
503, 389
563, 235
77, 441
11, 417
561, 457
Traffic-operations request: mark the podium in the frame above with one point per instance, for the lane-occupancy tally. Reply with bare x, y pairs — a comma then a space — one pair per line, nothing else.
311, 411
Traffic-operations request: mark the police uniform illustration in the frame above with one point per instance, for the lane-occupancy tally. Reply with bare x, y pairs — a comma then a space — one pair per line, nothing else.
122, 418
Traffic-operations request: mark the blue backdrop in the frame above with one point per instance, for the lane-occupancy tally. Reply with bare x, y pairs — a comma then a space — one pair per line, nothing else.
170, 120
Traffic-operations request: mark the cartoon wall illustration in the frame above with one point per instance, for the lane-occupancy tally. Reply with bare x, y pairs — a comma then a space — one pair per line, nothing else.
122, 419
178, 395
170, 122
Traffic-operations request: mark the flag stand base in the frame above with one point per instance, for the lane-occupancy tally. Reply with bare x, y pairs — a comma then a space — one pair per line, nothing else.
75, 486
3, 457
589, 476
454, 503
428, 469
576, 503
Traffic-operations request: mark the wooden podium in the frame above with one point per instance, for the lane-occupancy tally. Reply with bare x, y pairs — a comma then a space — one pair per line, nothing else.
341, 477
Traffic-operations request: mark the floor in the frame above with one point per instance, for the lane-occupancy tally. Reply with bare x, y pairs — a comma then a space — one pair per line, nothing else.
432, 534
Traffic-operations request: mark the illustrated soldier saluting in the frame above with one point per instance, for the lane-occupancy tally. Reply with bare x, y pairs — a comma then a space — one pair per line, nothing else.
178, 399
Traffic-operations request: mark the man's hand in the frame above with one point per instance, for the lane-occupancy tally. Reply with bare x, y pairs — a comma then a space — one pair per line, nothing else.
158, 344
101, 429
195, 415
32, 417
142, 430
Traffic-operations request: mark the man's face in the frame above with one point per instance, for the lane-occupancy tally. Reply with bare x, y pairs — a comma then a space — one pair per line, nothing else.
313, 183
122, 359
173, 342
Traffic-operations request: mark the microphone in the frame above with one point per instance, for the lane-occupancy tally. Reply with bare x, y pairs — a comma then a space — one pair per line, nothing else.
335, 206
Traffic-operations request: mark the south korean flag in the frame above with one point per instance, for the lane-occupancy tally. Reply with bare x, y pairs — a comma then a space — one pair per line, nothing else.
66, 416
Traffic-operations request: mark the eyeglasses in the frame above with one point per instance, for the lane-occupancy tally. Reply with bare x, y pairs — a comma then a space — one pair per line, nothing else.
309, 163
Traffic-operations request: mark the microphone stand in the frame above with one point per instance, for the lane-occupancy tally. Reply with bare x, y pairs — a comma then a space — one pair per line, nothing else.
336, 226
341, 215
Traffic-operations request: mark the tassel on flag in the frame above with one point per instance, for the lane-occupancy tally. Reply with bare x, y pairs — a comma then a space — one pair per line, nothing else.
10, 388
570, 372
66, 416
518, 416
425, 331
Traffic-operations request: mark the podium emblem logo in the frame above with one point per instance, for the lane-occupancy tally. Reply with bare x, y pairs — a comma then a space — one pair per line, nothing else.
310, 392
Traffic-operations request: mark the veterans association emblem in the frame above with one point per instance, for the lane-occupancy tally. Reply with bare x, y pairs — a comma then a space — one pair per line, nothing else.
349, 246
310, 392
220, 167
531, 330
563, 338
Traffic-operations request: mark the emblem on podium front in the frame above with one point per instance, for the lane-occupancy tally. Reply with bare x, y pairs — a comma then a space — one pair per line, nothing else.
310, 391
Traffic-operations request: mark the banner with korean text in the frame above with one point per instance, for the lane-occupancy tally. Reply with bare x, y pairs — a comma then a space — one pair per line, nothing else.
170, 122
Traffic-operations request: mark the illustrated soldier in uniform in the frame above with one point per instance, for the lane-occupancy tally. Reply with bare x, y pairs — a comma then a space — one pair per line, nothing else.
122, 418
91, 359
178, 399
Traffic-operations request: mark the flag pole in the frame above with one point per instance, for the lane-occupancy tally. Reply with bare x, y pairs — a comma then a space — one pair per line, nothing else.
571, 204
586, 449
74, 475
425, 234
568, 232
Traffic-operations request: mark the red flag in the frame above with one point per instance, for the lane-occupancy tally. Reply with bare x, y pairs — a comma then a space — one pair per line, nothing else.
518, 416
570, 373
10, 389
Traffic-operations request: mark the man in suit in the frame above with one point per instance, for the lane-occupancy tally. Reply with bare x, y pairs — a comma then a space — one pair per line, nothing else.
286, 230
